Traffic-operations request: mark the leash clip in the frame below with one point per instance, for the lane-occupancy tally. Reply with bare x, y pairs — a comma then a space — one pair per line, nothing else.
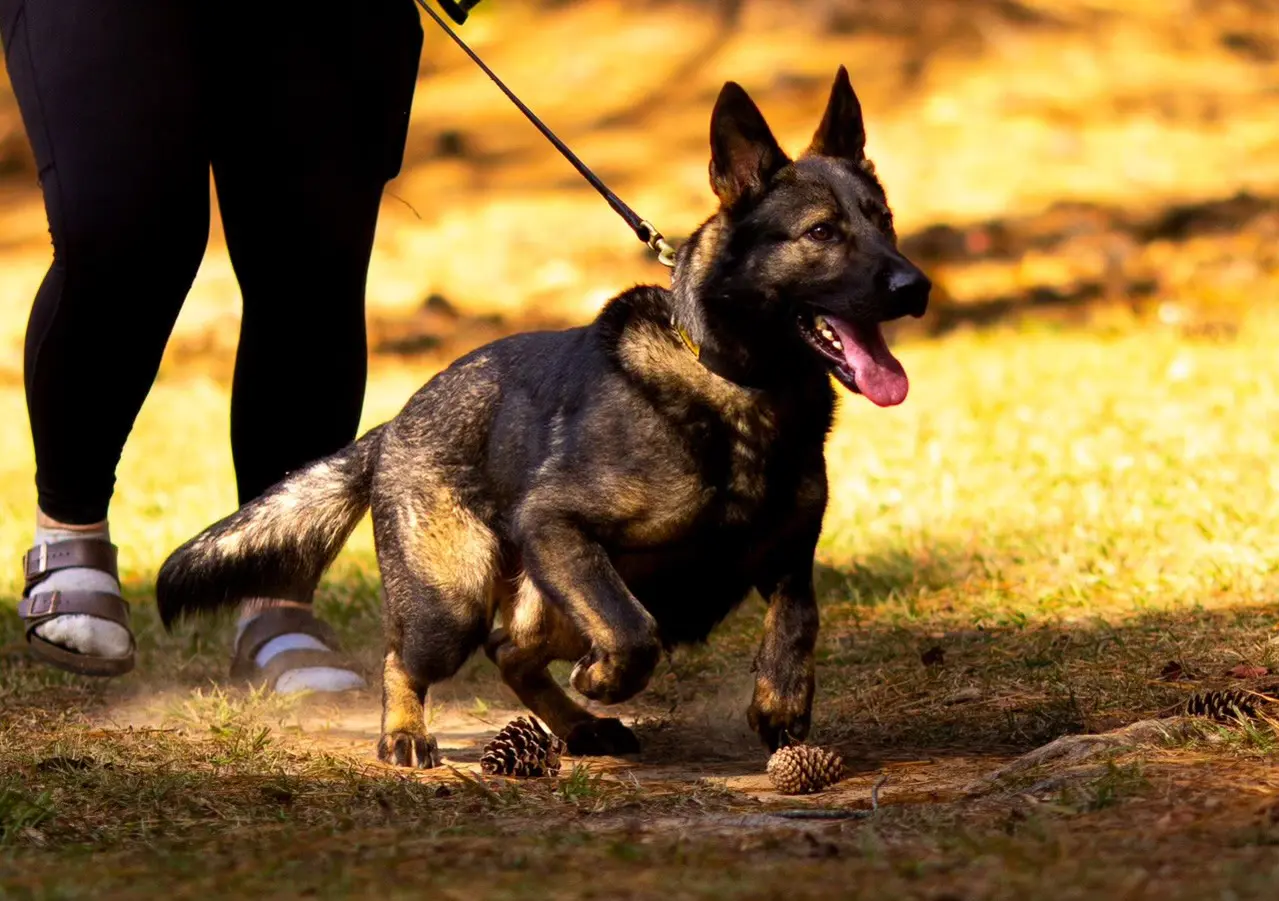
659, 245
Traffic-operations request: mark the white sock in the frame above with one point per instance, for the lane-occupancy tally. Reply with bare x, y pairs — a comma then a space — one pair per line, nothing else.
80, 632
307, 678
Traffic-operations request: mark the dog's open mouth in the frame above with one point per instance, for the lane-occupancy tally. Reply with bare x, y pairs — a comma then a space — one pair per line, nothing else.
861, 358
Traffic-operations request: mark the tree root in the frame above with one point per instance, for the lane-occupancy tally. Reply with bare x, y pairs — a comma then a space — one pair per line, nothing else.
1073, 750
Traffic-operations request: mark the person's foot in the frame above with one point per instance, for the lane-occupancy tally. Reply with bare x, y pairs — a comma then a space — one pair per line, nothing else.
75, 616
281, 644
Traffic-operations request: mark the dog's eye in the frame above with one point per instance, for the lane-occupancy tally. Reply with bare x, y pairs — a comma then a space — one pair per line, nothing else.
822, 232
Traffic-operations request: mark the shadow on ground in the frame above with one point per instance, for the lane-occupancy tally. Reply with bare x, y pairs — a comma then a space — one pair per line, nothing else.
898, 677
923, 702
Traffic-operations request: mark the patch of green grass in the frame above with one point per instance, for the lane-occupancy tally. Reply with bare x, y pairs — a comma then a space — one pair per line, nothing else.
1244, 736
21, 812
1116, 783
224, 712
580, 785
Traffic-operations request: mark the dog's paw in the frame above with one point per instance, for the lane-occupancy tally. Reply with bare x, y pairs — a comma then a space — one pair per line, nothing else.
782, 706
409, 749
614, 677
601, 737
777, 730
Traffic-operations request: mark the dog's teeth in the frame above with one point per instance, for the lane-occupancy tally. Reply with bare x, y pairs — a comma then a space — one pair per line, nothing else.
824, 329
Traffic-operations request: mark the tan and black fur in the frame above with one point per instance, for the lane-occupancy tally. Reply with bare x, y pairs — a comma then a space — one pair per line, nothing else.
599, 493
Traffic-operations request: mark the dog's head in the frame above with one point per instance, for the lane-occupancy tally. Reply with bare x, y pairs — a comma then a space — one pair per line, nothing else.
802, 256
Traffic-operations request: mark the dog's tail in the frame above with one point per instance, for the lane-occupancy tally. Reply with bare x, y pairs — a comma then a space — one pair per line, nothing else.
279, 544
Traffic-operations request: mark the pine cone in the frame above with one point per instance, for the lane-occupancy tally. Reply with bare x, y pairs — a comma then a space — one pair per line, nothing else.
1225, 706
804, 769
523, 748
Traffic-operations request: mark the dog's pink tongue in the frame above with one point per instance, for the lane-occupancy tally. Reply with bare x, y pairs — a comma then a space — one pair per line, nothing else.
879, 376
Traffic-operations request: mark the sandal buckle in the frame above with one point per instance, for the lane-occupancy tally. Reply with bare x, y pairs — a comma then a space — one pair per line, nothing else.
41, 605
33, 570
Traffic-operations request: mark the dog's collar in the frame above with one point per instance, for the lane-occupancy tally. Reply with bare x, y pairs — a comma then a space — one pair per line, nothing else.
715, 362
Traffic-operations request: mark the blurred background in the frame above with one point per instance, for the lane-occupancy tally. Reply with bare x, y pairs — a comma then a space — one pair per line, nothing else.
1056, 157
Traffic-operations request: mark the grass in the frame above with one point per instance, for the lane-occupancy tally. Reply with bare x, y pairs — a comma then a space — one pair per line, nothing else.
1059, 511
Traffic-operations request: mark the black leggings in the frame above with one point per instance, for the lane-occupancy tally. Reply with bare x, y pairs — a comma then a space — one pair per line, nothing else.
302, 114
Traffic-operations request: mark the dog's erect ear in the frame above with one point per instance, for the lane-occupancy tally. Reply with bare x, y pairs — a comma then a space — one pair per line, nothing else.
744, 153
842, 132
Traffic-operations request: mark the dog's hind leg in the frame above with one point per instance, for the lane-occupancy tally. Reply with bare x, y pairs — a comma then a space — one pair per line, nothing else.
404, 741
438, 563
534, 635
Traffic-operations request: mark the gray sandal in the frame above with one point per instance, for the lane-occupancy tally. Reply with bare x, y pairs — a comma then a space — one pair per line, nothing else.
274, 622
38, 607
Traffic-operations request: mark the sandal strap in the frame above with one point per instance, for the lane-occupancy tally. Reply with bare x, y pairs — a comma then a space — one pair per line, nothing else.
296, 659
82, 664
45, 605
272, 623
88, 553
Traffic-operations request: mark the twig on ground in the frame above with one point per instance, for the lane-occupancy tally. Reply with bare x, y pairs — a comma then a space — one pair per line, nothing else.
835, 813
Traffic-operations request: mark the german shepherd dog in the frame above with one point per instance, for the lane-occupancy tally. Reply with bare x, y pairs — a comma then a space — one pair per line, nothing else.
610, 491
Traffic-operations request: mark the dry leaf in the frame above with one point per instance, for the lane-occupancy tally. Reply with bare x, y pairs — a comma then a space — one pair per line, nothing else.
1176, 671
1247, 671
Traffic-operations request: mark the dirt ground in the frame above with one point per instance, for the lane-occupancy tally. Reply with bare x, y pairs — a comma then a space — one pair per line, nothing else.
1079, 493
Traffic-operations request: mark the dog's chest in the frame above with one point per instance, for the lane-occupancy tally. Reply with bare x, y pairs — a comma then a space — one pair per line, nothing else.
742, 485
736, 483
752, 447
747, 468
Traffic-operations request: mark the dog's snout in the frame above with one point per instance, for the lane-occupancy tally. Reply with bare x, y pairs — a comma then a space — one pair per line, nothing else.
902, 279
909, 289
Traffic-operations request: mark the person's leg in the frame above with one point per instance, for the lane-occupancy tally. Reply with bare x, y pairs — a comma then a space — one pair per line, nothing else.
108, 97
313, 126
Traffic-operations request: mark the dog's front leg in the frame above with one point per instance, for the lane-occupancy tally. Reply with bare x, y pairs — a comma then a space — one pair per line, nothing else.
781, 709
574, 572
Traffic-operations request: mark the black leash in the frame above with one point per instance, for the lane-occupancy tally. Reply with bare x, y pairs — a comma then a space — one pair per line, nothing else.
643, 229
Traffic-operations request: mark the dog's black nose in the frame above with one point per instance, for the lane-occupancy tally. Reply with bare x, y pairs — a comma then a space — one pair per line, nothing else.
908, 289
